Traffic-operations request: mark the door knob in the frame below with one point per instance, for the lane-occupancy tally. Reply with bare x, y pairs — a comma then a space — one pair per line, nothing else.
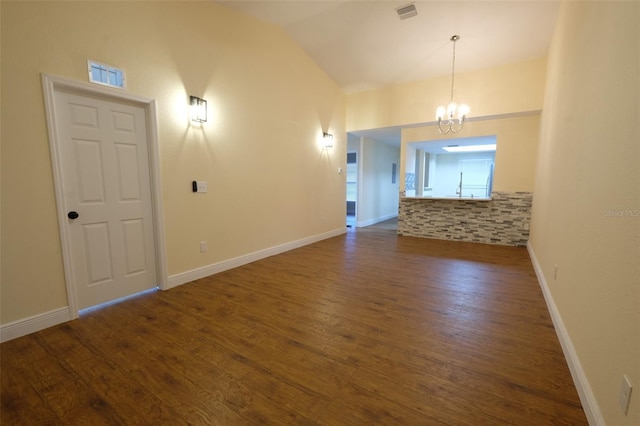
73, 215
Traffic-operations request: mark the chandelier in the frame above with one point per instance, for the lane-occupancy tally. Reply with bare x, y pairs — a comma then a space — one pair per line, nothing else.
451, 118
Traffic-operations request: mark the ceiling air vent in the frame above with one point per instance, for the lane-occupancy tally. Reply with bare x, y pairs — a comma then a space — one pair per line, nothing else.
407, 11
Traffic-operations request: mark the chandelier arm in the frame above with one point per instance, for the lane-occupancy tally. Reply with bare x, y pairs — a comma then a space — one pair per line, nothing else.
443, 131
450, 126
456, 129
459, 127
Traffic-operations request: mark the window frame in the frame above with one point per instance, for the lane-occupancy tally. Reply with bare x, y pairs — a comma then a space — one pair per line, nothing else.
109, 69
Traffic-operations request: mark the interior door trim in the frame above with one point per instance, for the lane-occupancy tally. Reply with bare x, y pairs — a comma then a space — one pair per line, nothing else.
52, 84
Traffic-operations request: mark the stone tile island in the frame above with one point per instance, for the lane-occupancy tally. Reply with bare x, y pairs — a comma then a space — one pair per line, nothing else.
501, 219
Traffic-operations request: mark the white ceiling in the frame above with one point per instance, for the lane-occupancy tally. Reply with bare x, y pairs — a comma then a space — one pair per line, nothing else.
363, 44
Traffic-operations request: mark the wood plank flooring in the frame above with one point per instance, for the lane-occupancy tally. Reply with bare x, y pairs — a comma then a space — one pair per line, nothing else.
361, 329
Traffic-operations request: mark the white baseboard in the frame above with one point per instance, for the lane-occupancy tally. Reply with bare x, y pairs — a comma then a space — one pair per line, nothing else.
39, 322
588, 400
370, 222
35, 323
205, 271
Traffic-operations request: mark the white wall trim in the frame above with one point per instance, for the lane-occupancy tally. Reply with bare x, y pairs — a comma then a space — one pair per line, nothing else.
215, 268
370, 222
25, 326
588, 400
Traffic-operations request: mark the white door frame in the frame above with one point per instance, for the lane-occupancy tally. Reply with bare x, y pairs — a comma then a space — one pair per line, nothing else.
51, 84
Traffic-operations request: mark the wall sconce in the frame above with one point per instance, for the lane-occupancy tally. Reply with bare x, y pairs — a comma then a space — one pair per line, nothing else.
198, 109
327, 140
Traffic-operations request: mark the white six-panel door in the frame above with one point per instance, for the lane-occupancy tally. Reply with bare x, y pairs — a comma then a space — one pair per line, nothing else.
106, 183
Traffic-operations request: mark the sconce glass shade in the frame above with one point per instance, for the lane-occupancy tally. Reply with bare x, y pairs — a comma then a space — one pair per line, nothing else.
327, 140
198, 109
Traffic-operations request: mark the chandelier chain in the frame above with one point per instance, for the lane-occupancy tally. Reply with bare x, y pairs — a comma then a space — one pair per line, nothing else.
453, 67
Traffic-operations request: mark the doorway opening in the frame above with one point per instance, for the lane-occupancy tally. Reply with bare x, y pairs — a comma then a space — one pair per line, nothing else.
451, 168
352, 188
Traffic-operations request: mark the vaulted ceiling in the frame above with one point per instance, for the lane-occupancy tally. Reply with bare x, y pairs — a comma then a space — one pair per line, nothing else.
363, 44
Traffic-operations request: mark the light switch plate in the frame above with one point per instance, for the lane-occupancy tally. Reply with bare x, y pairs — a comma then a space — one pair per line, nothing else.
625, 394
201, 185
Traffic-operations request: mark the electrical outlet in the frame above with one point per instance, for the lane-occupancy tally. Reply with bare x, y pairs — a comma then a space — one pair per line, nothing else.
625, 394
203, 246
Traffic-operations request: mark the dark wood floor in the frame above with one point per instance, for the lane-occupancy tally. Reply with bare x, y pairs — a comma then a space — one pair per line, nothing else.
365, 328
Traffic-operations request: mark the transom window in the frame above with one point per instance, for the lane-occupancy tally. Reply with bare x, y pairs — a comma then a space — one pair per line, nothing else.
105, 74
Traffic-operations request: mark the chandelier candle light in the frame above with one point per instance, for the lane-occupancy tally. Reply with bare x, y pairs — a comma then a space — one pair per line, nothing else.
455, 114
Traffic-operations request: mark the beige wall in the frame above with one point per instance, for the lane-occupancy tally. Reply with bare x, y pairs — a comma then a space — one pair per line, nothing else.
269, 181
379, 196
508, 89
586, 212
505, 101
517, 139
